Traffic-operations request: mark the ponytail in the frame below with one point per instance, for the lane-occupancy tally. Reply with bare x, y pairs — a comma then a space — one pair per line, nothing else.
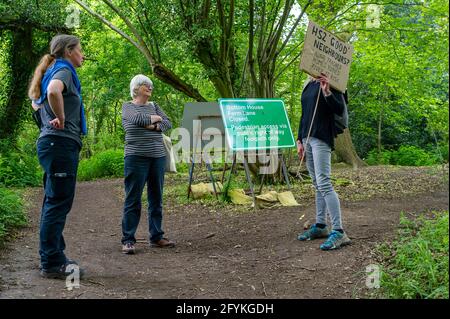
59, 45
34, 92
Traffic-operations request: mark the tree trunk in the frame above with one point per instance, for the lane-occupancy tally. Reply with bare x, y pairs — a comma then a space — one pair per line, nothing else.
22, 62
115, 117
346, 151
380, 121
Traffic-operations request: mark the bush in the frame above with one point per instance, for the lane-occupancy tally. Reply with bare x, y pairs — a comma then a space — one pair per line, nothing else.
102, 142
406, 155
419, 266
104, 164
11, 211
18, 168
373, 158
442, 152
110, 164
413, 156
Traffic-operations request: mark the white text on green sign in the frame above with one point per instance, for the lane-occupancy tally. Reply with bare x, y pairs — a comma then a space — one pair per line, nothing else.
256, 124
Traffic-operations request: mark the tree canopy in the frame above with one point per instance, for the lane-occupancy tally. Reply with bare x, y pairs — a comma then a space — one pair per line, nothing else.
203, 50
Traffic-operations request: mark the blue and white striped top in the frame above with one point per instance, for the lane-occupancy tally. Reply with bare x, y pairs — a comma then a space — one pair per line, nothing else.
139, 140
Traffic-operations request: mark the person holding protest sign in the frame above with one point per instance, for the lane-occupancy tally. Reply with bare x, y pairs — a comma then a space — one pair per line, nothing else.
55, 92
315, 141
145, 163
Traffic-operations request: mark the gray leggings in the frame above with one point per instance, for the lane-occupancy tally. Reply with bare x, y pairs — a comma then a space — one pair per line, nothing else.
318, 162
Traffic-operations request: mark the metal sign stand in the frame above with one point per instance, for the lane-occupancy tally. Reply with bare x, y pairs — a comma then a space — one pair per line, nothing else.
207, 164
248, 175
208, 114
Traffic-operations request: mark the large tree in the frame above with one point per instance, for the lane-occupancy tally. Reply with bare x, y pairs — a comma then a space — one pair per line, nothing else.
244, 47
28, 25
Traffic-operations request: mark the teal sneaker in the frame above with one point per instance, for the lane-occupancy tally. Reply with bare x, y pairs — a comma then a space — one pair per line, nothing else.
314, 233
335, 240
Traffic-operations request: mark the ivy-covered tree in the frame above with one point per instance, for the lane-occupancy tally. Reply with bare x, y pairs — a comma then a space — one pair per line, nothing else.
26, 27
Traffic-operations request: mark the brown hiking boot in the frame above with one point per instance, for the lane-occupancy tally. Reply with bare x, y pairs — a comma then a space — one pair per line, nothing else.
162, 243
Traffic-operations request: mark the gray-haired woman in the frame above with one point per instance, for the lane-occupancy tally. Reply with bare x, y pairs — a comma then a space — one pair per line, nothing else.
145, 160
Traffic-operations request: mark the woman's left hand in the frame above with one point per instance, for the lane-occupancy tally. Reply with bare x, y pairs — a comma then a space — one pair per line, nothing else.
324, 84
35, 106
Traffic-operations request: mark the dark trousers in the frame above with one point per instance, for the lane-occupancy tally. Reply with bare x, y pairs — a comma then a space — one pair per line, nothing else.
140, 170
58, 157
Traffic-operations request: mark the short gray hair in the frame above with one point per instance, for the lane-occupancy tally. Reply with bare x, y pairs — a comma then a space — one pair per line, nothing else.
137, 82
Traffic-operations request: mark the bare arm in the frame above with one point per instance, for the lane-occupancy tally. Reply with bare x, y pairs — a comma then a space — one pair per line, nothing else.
56, 102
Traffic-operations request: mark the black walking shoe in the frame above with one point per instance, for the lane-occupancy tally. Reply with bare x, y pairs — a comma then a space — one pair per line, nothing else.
63, 271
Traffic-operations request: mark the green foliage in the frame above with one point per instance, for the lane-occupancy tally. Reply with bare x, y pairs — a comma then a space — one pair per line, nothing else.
104, 164
374, 158
407, 155
25, 29
18, 167
442, 153
399, 76
42, 13
11, 211
417, 263
183, 167
5, 79
413, 156
399, 72
94, 144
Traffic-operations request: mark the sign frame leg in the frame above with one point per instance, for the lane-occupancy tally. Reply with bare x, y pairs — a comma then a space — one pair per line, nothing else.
191, 173
285, 172
249, 181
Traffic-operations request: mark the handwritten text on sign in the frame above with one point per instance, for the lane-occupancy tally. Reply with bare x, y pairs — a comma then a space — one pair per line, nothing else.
323, 52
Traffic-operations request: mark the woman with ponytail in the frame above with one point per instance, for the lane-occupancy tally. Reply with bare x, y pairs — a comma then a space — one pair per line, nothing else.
55, 92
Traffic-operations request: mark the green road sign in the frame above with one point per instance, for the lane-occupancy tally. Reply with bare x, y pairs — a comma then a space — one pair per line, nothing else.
256, 124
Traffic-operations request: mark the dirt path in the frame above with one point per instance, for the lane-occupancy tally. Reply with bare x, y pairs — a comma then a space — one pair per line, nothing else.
219, 255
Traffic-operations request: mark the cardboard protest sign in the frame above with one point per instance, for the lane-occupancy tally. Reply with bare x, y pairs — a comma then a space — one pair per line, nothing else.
323, 52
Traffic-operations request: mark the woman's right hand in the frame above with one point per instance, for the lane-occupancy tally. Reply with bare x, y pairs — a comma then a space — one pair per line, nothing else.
300, 150
155, 118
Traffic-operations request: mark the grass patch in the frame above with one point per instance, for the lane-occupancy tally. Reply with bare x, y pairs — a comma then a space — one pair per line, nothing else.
416, 264
19, 168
